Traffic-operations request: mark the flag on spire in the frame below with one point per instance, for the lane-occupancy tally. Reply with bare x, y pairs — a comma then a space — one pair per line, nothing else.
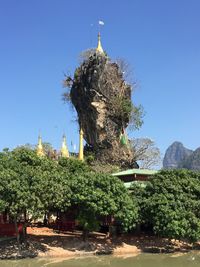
101, 22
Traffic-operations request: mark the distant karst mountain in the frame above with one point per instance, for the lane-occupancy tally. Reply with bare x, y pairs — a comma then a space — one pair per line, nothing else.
192, 162
176, 156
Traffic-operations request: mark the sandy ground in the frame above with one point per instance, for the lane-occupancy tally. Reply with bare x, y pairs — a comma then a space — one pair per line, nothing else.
44, 242
72, 244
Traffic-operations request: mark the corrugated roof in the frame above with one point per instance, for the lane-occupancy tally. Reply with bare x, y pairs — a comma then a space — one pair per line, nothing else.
135, 171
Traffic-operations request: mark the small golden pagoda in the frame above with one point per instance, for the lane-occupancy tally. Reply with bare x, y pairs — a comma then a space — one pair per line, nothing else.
80, 154
64, 150
40, 150
99, 48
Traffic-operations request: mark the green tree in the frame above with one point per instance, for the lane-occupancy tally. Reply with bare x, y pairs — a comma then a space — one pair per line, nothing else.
14, 195
171, 204
73, 165
97, 195
30, 185
48, 182
50, 187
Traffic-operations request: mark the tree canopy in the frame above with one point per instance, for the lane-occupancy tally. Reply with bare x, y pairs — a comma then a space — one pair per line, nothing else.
31, 186
170, 204
102, 195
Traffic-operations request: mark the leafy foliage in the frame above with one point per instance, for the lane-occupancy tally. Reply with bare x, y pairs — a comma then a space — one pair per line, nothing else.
136, 117
73, 165
124, 108
170, 203
102, 195
29, 184
33, 186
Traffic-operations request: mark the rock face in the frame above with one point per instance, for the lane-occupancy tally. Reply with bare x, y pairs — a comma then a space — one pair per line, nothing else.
103, 103
192, 162
175, 155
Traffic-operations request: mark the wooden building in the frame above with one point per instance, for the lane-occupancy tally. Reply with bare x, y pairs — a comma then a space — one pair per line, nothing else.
131, 176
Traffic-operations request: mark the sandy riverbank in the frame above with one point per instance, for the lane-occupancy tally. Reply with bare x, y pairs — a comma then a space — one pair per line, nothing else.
43, 242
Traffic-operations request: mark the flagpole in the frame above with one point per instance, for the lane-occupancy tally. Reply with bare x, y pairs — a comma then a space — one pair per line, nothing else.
91, 27
101, 23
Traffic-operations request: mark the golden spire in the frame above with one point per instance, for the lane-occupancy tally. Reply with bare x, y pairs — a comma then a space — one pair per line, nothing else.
99, 47
80, 154
40, 150
64, 150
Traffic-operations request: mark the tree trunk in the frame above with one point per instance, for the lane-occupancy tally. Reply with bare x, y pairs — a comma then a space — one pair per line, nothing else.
17, 234
24, 230
112, 231
138, 229
45, 221
85, 234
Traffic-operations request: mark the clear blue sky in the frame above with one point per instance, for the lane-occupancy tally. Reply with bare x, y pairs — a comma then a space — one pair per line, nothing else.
41, 39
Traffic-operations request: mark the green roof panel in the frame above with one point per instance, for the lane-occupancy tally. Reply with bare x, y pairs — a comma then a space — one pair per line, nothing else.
135, 171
